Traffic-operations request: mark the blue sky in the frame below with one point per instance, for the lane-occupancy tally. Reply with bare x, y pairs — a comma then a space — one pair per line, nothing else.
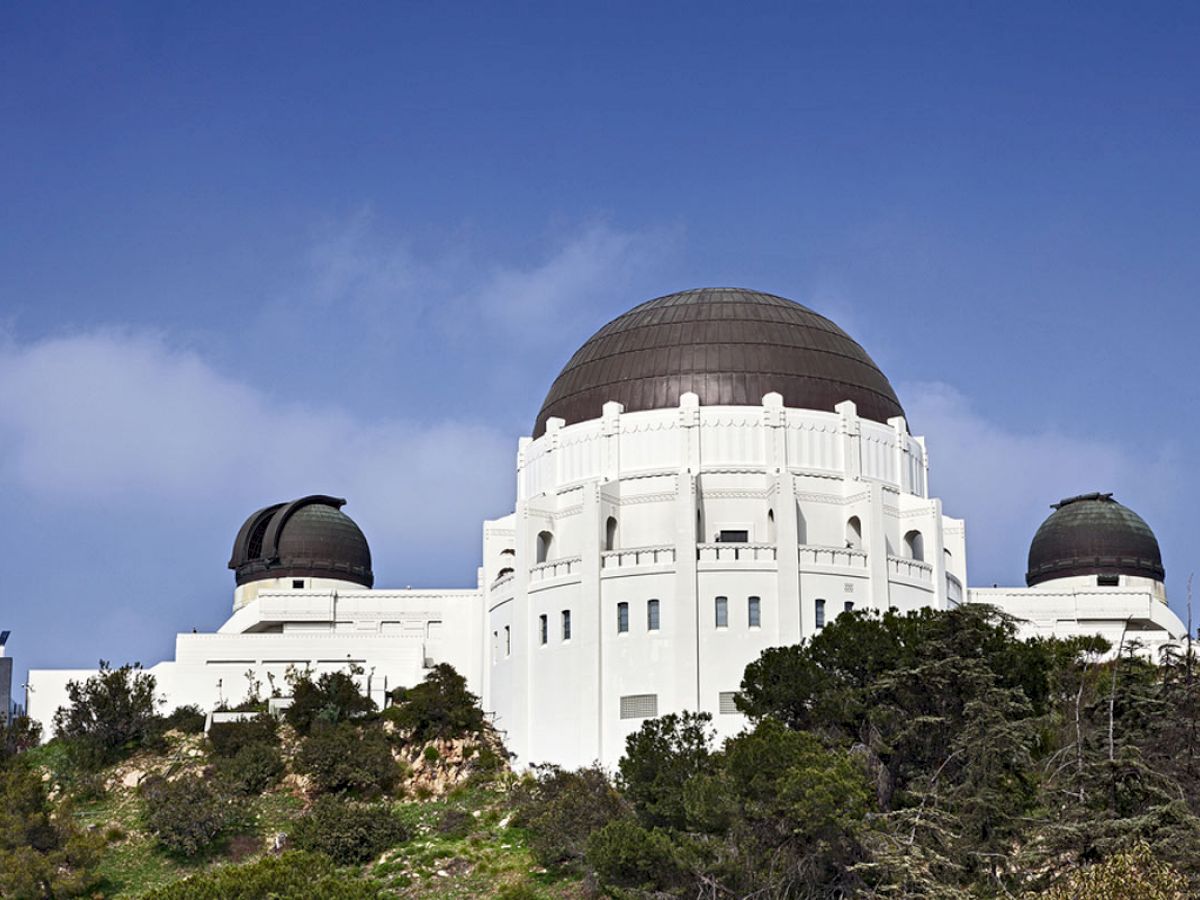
254, 251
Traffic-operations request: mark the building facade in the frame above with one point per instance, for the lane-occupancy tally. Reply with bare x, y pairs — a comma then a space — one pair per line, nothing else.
713, 473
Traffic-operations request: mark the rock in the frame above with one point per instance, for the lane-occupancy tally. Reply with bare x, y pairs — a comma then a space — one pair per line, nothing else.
132, 778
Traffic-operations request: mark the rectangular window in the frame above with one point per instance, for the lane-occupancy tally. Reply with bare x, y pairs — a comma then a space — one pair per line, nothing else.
754, 612
544, 627
495, 645
652, 615
848, 606
725, 703
297, 584
622, 618
820, 613
1108, 580
507, 640
734, 536
639, 706
566, 624
722, 612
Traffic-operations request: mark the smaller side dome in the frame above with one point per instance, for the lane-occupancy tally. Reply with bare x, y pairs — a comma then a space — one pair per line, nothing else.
310, 537
1093, 534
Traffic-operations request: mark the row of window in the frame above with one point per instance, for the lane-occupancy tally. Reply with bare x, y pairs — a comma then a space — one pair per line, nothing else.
653, 620
645, 706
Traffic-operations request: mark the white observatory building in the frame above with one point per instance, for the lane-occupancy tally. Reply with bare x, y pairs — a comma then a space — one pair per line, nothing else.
713, 473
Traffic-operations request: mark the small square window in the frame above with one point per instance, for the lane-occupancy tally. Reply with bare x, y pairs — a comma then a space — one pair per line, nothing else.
848, 606
1108, 580
734, 536
297, 584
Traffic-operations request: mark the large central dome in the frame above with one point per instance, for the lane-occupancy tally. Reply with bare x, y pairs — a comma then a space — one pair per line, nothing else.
729, 346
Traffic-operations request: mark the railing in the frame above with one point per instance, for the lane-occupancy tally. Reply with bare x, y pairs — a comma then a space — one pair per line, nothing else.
637, 556
735, 552
555, 568
844, 557
503, 580
954, 591
910, 568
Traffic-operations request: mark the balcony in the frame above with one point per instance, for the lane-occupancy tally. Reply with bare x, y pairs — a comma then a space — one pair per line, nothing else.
555, 568
910, 569
663, 554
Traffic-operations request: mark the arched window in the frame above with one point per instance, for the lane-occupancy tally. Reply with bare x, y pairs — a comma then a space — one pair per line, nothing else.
914, 546
722, 612
622, 618
503, 572
848, 606
770, 526
544, 542
652, 615
610, 533
820, 617
854, 539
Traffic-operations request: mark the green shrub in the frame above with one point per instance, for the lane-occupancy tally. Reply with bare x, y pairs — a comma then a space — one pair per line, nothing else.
228, 738
455, 823
439, 707
187, 814
18, 736
295, 875
187, 719
562, 808
42, 851
334, 697
253, 769
431, 754
624, 854
109, 715
343, 758
348, 833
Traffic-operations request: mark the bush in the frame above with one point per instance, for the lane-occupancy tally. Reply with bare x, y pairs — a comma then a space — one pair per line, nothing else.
624, 854
187, 719
348, 833
332, 698
342, 758
187, 814
561, 809
439, 707
110, 714
42, 851
228, 738
660, 758
293, 876
19, 735
253, 769
455, 823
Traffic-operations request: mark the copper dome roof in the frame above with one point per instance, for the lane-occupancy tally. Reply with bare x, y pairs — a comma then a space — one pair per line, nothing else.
309, 537
1093, 534
730, 346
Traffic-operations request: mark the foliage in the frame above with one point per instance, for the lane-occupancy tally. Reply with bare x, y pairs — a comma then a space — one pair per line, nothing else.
348, 833
295, 875
187, 719
344, 758
42, 851
1133, 874
438, 707
187, 814
227, 739
254, 768
110, 714
334, 697
660, 758
624, 854
18, 736
562, 808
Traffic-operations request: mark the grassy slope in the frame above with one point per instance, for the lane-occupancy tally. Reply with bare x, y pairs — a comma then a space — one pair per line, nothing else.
477, 861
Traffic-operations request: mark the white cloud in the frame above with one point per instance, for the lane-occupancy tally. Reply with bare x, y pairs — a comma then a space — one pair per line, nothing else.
124, 418
1003, 481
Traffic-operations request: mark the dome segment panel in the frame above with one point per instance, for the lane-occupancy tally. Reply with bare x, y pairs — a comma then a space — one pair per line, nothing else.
729, 346
310, 537
1093, 534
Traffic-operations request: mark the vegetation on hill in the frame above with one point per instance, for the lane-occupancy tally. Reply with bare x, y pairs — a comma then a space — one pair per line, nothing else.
930, 754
